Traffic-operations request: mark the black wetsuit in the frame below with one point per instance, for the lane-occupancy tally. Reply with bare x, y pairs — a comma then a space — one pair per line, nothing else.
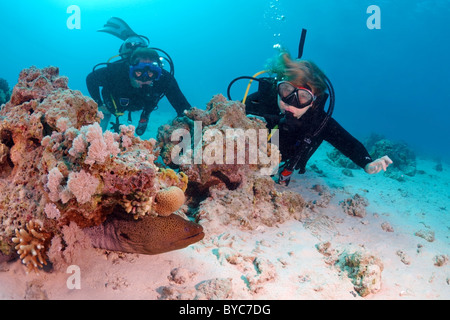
117, 87
297, 135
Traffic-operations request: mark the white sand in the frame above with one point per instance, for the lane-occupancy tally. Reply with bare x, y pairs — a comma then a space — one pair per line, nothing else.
280, 262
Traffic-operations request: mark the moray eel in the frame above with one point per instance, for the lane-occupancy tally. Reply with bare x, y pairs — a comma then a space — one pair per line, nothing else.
148, 235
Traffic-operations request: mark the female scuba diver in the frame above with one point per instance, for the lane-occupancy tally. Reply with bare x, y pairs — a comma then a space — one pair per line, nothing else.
301, 96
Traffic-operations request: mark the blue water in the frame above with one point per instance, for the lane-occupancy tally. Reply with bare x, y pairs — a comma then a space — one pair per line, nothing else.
393, 81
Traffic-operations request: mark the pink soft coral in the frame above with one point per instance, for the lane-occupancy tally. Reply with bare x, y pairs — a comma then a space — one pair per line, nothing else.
54, 179
82, 185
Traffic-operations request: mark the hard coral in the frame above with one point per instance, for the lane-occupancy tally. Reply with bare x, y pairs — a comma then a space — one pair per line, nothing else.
169, 200
32, 243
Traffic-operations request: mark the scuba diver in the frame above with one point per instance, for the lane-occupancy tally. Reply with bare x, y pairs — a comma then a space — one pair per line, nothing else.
294, 103
137, 81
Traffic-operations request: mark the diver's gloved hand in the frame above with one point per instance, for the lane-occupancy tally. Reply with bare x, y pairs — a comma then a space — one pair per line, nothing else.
377, 165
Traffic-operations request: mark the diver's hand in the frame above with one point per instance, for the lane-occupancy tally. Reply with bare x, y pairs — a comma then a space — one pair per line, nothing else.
377, 165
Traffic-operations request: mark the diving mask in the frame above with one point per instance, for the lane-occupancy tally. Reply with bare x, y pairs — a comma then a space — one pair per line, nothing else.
298, 97
145, 71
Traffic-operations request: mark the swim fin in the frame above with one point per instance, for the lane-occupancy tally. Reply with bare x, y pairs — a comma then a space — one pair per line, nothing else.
119, 28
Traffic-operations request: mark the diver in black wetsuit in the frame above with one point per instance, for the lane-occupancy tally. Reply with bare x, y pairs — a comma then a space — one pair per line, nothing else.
301, 98
135, 84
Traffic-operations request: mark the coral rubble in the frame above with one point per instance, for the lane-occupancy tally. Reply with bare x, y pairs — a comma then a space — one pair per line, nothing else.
57, 166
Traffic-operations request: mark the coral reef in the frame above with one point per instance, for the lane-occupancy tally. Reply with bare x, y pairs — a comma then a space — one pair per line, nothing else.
229, 143
57, 166
231, 192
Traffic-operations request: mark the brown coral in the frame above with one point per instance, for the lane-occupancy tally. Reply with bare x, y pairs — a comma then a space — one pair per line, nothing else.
32, 243
169, 200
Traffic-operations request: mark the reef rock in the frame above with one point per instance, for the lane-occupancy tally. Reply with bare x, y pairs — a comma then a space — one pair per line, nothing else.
255, 203
57, 166
404, 159
425, 234
364, 270
219, 145
215, 289
355, 206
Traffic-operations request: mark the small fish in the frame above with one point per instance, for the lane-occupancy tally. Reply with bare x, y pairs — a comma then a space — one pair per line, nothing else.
148, 235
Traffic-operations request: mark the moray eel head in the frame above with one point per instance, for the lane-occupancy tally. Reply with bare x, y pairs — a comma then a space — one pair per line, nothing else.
149, 235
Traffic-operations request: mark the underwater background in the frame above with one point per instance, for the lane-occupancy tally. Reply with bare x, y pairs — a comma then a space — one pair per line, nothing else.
392, 81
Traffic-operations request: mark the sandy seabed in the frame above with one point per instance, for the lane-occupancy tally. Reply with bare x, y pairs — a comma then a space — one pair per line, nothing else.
406, 227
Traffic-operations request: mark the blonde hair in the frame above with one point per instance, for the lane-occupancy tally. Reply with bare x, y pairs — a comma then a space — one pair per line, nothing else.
299, 72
